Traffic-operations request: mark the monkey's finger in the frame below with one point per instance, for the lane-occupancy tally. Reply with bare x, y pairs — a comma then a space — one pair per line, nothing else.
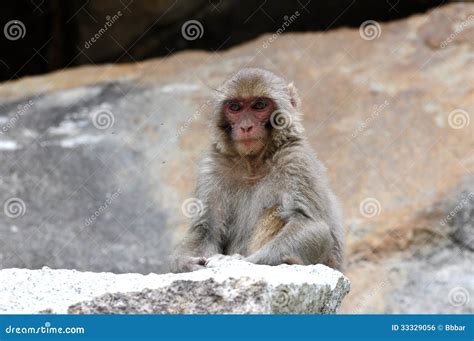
219, 260
195, 267
202, 261
197, 260
212, 263
237, 256
215, 260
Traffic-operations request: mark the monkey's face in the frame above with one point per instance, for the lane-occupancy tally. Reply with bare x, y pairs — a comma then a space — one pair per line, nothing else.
248, 118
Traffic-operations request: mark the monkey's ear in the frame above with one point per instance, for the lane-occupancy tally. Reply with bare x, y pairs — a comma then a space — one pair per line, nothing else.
294, 97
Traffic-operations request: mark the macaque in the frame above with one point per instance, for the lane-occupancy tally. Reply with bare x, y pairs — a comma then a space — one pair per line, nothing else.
265, 196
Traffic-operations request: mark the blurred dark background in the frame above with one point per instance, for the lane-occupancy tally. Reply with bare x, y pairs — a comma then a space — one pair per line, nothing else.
57, 31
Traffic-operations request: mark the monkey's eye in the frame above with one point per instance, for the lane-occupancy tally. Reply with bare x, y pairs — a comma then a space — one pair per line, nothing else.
234, 106
259, 104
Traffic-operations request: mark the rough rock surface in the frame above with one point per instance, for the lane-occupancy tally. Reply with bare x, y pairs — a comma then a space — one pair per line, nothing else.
380, 114
236, 287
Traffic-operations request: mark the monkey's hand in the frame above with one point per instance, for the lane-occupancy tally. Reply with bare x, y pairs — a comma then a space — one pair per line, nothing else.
219, 259
188, 264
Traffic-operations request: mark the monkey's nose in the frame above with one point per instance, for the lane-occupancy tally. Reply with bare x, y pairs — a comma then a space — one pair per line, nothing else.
246, 129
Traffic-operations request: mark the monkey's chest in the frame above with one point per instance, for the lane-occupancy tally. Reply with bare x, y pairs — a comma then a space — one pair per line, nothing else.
267, 226
253, 221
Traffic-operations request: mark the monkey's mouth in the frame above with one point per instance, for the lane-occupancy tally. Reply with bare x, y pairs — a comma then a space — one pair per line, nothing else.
248, 141
249, 146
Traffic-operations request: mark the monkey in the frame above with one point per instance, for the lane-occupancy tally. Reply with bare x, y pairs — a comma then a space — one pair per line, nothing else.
265, 196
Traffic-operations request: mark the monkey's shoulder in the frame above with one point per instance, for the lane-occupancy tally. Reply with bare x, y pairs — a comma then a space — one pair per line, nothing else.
298, 160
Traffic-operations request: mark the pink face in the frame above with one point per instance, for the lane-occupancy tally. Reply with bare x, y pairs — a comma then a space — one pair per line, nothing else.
248, 118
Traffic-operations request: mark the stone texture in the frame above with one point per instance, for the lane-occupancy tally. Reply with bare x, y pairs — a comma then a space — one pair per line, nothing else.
235, 287
377, 112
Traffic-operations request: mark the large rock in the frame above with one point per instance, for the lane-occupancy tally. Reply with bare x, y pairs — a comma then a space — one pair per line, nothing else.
236, 287
68, 33
390, 117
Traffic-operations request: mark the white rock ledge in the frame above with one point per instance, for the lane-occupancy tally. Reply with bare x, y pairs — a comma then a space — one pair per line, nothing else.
237, 287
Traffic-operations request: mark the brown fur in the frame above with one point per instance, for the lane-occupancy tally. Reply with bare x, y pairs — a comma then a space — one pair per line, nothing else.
266, 228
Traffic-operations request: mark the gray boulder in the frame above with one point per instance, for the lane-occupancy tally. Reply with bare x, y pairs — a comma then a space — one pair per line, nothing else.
235, 287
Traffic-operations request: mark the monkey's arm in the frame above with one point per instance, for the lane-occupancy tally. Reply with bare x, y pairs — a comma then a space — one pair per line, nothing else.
202, 239
193, 251
302, 239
